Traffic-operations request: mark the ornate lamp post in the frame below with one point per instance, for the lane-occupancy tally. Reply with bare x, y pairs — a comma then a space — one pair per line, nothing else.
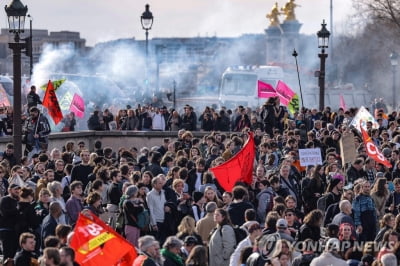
16, 13
323, 40
147, 21
394, 61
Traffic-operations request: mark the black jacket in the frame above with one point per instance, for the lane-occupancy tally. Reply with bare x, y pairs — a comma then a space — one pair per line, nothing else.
8, 212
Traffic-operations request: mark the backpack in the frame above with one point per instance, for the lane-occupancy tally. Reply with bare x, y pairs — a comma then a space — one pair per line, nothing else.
142, 220
66, 194
119, 223
240, 233
321, 203
270, 205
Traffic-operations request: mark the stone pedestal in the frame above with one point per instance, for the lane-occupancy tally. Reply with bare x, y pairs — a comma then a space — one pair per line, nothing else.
281, 40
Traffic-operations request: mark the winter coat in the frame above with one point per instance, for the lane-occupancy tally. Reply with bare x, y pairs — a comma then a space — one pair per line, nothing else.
221, 246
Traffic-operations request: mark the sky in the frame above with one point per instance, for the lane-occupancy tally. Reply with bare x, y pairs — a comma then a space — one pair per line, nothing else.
104, 20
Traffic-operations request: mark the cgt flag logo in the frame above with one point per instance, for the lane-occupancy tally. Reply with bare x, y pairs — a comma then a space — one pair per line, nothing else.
372, 150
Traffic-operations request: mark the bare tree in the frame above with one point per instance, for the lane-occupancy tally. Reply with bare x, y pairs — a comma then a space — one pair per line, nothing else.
386, 11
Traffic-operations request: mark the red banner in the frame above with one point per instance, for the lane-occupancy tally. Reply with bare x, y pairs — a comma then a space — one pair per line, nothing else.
50, 101
238, 168
95, 243
372, 150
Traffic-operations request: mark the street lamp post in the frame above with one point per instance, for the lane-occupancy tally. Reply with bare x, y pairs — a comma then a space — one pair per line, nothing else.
323, 40
30, 47
147, 21
16, 13
394, 62
295, 54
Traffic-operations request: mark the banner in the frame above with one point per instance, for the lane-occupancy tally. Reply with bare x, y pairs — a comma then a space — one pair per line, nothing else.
265, 90
50, 101
372, 150
284, 90
78, 106
238, 168
294, 105
310, 157
56, 84
96, 243
362, 117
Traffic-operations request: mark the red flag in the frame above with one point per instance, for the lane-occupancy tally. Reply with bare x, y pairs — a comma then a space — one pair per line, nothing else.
372, 150
238, 168
50, 101
265, 90
96, 243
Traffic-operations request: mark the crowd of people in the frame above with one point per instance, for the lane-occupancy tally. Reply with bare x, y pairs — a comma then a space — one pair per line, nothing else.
166, 201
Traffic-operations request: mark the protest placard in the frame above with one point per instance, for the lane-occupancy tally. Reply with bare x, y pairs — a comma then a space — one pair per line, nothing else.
310, 157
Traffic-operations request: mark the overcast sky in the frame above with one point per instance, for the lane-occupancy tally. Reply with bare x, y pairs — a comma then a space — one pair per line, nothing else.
103, 20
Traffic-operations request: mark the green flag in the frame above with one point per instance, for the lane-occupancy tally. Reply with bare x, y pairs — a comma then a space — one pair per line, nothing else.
56, 84
294, 105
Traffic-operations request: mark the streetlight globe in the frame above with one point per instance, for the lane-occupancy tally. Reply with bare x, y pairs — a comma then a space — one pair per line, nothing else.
323, 36
147, 18
16, 12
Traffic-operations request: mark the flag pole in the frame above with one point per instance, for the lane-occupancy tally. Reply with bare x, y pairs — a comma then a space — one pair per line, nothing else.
294, 54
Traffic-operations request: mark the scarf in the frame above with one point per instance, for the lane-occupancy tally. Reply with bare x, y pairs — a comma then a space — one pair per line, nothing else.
177, 259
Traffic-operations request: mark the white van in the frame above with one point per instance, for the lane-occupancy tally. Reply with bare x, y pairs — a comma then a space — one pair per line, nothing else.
239, 84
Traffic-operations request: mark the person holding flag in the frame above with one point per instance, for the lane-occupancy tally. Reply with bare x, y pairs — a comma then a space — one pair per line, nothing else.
36, 131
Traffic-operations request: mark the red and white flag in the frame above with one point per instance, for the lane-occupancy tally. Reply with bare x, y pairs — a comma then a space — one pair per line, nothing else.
372, 150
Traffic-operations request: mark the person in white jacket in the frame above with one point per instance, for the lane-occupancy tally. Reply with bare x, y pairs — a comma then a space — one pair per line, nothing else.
327, 257
158, 121
254, 232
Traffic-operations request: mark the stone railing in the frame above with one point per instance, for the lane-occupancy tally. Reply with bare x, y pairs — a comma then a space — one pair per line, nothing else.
113, 139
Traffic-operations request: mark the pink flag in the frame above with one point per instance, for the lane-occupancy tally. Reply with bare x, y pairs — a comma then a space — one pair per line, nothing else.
78, 106
265, 90
284, 90
342, 104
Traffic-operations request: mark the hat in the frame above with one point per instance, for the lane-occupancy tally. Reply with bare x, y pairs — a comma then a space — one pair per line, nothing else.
380, 174
338, 177
197, 196
81, 142
14, 186
281, 223
131, 191
190, 240
36, 155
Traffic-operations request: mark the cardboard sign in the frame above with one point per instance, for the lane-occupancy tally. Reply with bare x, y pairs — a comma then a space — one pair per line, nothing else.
347, 149
310, 157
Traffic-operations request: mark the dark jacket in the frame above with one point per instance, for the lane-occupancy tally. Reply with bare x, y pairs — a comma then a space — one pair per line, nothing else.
236, 211
23, 258
307, 231
8, 212
48, 228
28, 221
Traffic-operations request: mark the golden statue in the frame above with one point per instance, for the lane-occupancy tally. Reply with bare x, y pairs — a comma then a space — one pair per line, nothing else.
288, 10
273, 16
